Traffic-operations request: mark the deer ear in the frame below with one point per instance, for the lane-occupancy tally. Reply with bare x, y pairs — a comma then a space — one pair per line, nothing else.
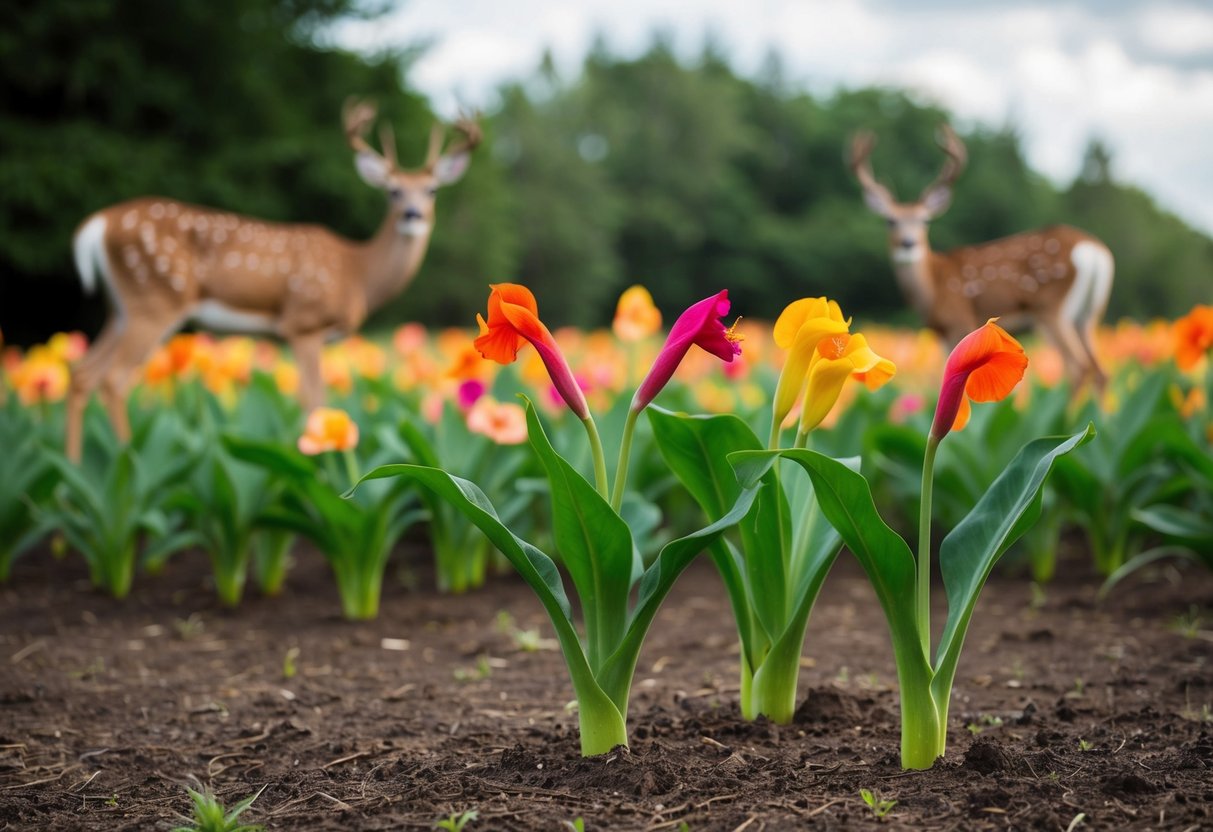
451, 168
877, 203
372, 168
936, 200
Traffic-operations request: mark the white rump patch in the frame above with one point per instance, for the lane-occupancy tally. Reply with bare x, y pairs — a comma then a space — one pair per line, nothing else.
1088, 297
212, 314
88, 248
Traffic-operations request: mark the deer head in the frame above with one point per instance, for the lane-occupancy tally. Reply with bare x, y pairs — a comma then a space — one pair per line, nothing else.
908, 220
410, 192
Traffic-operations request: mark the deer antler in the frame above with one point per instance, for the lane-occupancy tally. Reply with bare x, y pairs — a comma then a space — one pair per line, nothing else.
466, 124
951, 144
861, 150
357, 117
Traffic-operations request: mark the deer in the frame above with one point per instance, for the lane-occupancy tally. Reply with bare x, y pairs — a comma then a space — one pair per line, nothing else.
1057, 278
165, 264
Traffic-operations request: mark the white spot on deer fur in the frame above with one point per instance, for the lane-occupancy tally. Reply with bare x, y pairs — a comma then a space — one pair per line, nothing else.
244, 234
178, 282
1052, 246
184, 222
972, 290
231, 260
161, 264
202, 224
1028, 283
213, 314
278, 244
129, 219
156, 211
219, 236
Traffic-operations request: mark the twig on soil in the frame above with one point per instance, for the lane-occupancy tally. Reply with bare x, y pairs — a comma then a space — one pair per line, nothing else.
27, 651
347, 758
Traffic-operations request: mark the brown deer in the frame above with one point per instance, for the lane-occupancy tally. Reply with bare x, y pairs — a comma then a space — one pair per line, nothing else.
1056, 278
166, 263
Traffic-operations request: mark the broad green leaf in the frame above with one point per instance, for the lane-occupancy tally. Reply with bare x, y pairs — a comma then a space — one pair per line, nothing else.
1186, 526
275, 456
846, 501
535, 567
675, 556
594, 543
969, 552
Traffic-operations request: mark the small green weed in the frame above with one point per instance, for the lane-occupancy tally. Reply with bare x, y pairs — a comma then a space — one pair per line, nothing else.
211, 816
457, 821
879, 806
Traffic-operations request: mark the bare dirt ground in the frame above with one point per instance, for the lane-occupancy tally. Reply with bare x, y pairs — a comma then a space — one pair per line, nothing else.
1063, 707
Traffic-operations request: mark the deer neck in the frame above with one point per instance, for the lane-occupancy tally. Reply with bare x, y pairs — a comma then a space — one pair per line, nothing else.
915, 277
391, 261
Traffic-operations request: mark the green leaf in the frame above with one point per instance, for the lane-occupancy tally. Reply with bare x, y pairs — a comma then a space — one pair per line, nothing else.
595, 545
1187, 526
969, 552
846, 501
277, 457
675, 556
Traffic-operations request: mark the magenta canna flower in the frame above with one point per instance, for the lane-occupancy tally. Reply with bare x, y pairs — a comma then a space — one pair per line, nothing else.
699, 325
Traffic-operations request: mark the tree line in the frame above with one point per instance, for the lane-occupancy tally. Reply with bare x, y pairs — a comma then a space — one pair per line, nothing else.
679, 174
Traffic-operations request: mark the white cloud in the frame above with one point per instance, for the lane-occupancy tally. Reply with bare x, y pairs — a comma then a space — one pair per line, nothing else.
1063, 72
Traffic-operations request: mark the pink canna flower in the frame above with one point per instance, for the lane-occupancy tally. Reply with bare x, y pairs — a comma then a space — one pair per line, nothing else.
699, 325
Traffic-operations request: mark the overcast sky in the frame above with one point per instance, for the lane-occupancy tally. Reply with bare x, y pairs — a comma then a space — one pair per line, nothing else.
1137, 73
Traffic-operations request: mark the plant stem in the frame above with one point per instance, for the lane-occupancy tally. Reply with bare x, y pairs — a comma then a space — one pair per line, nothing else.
601, 725
625, 453
351, 466
923, 584
600, 474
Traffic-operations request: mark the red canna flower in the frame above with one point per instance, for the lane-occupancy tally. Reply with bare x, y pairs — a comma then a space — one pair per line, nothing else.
700, 325
1193, 336
985, 367
514, 321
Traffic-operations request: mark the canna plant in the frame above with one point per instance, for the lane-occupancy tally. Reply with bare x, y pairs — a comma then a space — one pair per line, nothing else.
355, 536
785, 547
27, 479
116, 499
985, 366
594, 541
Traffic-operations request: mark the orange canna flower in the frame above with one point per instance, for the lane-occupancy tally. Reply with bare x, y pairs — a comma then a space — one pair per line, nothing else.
503, 422
1193, 334
636, 316
985, 367
328, 429
41, 378
514, 321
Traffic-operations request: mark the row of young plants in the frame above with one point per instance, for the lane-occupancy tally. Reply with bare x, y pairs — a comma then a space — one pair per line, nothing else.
774, 515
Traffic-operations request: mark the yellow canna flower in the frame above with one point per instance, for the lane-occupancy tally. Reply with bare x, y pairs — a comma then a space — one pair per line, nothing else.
636, 316
799, 329
328, 429
836, 359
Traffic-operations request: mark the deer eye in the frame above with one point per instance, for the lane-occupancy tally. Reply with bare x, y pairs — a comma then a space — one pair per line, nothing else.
430, 191
890, 221
394, 192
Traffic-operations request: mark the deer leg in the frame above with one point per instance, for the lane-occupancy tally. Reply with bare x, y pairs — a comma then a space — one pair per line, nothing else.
87, 374
1061, 332
129, 354
307, 348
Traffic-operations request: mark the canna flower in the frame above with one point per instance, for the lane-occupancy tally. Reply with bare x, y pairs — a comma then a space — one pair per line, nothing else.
836, 359
636, 317
514, 321
328, 429
503, 422
985, 366
41, 378
699, 325
1193, 334
470, 392
799, 329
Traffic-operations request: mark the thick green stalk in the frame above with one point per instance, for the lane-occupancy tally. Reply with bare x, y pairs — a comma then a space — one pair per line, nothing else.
773, 688
601, 724
625, 455
360, 590
600, 474
270, 550
922, 610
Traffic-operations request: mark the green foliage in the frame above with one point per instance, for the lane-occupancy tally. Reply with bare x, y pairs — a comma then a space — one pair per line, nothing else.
106, 506
209, 814
677, 174
879, 806
27, 480
457, 821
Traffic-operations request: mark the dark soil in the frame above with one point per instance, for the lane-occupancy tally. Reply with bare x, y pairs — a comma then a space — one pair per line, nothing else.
1067, 713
